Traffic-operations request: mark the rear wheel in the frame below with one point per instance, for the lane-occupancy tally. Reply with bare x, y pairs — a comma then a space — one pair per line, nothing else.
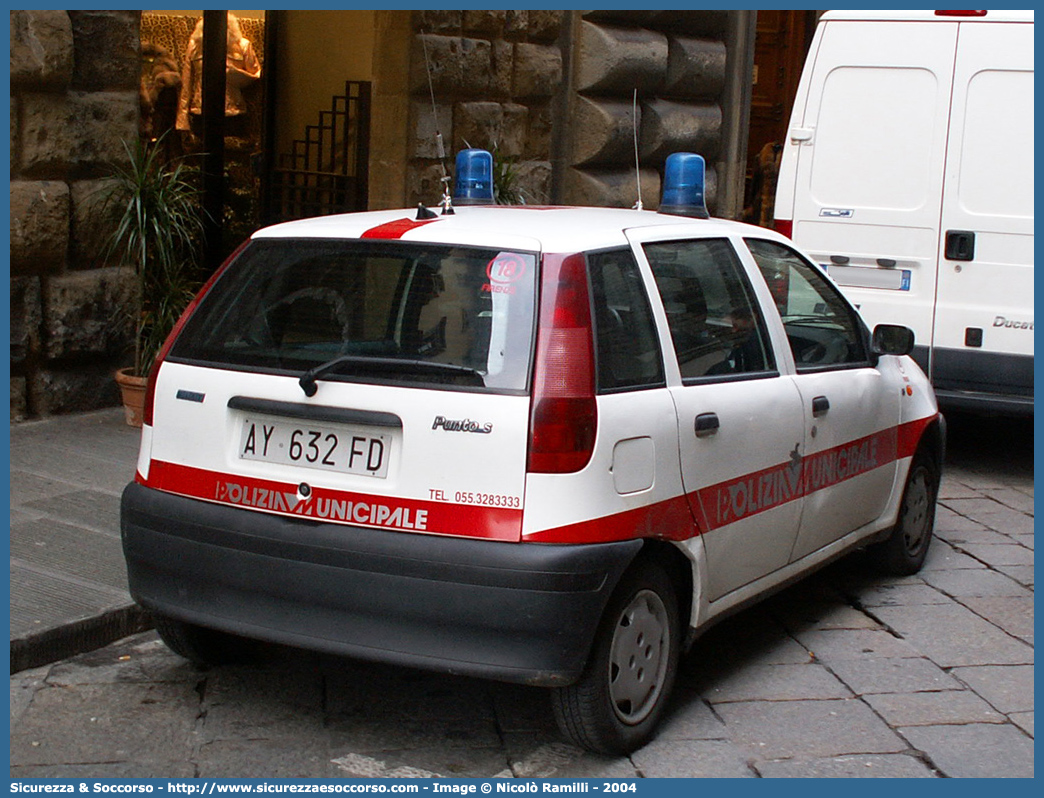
198, 644
618, 701
904, 551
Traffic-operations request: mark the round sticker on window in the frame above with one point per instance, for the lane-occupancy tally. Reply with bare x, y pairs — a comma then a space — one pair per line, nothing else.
506, 268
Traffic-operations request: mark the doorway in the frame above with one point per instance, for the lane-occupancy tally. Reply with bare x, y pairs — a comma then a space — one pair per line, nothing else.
781, 43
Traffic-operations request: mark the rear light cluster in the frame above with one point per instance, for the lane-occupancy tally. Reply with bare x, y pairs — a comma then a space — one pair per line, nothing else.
564, 416
150, 390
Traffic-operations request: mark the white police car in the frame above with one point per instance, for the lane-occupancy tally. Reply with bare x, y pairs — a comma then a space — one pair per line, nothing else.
542, 445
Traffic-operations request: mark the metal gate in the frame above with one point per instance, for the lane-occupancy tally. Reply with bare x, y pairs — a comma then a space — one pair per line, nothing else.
328, 170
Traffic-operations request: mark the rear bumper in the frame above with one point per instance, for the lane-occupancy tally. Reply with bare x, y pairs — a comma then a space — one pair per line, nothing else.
510, 611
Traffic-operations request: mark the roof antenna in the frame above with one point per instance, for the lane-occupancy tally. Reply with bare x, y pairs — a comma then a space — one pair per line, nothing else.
446, 202
637, 169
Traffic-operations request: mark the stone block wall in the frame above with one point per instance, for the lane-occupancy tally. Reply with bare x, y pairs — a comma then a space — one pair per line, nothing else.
74, 101
549, 91
676, 61
494, 76
554, 90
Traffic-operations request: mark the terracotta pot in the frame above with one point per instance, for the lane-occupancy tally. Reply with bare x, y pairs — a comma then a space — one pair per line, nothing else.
133, 390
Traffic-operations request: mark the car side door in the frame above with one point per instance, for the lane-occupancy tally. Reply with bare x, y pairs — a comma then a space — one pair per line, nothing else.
740, 422
848, 465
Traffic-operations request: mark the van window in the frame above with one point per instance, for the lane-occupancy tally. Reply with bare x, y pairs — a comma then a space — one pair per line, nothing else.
716, 326
626, 345
822, 329
417, 313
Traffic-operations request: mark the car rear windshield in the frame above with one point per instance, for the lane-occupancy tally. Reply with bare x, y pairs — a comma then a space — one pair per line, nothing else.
377, 312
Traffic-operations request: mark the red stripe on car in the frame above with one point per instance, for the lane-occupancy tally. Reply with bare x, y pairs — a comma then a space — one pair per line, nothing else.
334, 506
910, 434
716, 505
396, 229
668, 520
751, 494
743, 497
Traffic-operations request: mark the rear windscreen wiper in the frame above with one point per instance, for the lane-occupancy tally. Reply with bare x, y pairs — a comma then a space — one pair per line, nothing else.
393, 364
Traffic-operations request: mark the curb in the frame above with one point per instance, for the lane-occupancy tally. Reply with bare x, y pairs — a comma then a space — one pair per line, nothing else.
78, 637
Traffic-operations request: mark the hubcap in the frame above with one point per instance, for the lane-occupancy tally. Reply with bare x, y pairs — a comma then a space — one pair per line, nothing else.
916, 511
638, 657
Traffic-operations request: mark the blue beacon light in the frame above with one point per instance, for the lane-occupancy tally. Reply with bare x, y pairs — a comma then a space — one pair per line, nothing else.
474, 178
684, 182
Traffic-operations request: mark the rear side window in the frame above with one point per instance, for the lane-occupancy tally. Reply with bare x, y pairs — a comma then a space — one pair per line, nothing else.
401, 313
716, 326
822, 329
626, 344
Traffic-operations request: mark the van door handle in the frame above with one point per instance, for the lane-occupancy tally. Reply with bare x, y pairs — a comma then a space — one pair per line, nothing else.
960, 245
706, 424
820, 406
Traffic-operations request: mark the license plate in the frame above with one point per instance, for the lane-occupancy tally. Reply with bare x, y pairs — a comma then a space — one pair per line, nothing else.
346, 449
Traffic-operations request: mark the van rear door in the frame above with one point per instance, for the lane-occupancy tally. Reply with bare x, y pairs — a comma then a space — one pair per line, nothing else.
869, 139
983, 334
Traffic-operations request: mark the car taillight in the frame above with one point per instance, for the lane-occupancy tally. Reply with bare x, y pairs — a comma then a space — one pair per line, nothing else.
785, 227
960, 13
564, 415
150, 389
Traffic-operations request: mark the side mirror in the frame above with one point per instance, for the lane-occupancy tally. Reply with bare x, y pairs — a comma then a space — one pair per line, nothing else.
892, 339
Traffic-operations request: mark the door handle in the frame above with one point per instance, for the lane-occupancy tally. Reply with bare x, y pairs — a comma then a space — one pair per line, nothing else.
706, 424
960, 245
799, 135
820, 406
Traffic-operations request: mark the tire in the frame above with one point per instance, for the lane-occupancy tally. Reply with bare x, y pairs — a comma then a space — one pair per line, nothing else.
904, 551
618, 701
197, 644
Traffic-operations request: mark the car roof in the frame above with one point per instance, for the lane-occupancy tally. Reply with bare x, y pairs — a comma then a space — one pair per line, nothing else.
537, 228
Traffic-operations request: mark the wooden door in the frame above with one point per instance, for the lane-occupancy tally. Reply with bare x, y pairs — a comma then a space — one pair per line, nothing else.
780, 47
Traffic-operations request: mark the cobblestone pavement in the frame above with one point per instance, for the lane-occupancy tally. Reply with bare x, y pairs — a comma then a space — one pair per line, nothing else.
844, 674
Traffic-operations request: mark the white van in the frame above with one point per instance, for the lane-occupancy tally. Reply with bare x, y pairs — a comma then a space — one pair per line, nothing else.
908, 173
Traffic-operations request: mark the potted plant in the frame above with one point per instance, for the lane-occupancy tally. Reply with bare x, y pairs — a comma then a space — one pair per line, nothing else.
158, 221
